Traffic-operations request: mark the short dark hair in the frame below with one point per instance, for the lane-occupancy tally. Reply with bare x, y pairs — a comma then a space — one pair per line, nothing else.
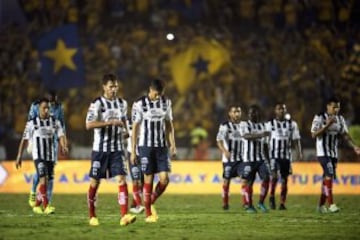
157, 85
44, 99
255, 107
52, 93
109, 77
332, 99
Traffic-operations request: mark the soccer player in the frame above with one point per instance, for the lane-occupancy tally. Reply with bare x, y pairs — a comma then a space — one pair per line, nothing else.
327, 127
283, 132
255, 156
153, 135
42, 130
107, 117
229, 142
57, 112
137, 177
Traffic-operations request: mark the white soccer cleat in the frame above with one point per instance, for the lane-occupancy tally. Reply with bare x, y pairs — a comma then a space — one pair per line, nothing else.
137, 209
333, 208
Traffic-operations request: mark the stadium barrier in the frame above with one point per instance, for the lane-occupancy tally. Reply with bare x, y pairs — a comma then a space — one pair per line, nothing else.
187, 177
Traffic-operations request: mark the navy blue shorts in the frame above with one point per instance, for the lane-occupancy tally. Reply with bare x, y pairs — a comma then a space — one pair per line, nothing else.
44, 168
248, 170
328, 165
154, 160
282, 165
107, 164
231, 170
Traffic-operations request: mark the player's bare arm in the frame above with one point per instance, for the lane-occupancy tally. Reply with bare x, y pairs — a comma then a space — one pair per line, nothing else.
22, 146
351, 143
134, 136
320, 131
170, 137
101, 124
222, 148
253, 136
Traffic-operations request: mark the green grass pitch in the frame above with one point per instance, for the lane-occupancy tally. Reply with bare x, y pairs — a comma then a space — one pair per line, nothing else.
181, 217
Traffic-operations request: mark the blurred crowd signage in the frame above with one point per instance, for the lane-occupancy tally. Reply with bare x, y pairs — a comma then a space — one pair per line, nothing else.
187, 177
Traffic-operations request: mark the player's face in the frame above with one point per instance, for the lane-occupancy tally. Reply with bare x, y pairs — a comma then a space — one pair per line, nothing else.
235, 114
154, 94
253, 114
110, 89
280, 111
44, 110
333, 108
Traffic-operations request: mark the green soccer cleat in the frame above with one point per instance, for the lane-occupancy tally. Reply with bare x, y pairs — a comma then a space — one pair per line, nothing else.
262, 207
154, 212
151, 219
32, 199
127, 219
250, 209
38, 210
49, 210
94, 221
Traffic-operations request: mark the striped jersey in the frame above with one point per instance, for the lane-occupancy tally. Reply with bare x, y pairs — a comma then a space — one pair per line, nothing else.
229, 134
253, 149
42, 132
109, 138
327, 143
282, 134
152, 116
56, 111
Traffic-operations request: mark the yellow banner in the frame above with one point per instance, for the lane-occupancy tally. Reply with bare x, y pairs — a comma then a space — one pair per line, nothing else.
187, 177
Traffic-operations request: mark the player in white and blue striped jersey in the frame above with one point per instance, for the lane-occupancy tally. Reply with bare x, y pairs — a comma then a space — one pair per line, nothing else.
283, 134
42, 130
107, 116
327, 127
229, 142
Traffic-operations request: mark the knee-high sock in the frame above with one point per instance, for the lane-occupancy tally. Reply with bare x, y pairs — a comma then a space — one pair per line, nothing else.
328, 190
273, 184
147, 198
322, 195
50, 188
91, 198
159, 189
284, 190
35, 182
264, 190
247, 194
123, 199
225, 194
136, 195
44, 199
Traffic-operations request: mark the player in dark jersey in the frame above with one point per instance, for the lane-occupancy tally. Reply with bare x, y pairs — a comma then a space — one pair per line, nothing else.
229, 142
153, 136
327, 127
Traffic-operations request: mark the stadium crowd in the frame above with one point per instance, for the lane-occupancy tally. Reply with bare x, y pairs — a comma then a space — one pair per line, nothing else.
300, 52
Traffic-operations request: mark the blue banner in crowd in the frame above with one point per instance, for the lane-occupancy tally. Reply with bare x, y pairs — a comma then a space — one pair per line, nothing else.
61, 58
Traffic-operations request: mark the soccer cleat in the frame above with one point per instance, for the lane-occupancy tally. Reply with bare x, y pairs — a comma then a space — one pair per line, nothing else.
32, 199
272, 203
250, 209
333, 208
322, 209
282, 207
137, 209
226, 207
127, 219
49, 210
262, 207
154, 212
37, 210
151, 219
94, 221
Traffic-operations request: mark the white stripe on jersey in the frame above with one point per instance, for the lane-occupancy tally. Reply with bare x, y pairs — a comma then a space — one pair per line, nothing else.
327, 143
253, 149
229, 134
282, 133
41, 133
107, 139
152, 115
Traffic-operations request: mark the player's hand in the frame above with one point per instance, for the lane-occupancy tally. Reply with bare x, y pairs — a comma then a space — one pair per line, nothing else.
227, 154
357, 150
330, 120
173, 151
18, 163
133, 158
118, 123
65, 150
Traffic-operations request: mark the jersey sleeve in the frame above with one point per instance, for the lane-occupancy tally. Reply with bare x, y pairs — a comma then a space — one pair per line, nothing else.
344, 128
93, 112
28, 131
295, 131
222, 133
316, 123
169, 115
136, 112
